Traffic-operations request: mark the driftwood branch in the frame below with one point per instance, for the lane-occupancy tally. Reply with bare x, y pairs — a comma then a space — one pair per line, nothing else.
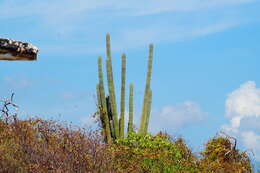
17, 50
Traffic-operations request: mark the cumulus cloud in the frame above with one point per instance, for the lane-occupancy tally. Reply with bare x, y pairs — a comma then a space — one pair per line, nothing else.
243, 103
168, 118
243, 110
174, 117
251, 140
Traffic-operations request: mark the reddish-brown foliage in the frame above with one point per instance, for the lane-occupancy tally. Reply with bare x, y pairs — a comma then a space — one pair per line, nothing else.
36, 145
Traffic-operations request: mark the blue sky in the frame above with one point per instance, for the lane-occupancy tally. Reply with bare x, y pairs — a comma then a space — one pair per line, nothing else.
206, 62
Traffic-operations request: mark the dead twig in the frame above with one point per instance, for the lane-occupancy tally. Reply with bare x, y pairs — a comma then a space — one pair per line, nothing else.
5, 110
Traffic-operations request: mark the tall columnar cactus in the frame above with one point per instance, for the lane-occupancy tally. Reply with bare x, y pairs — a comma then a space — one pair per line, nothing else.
102, 102
113, 129
122, 101
111, 87
144, 119
131, 109
148, 111
110, 117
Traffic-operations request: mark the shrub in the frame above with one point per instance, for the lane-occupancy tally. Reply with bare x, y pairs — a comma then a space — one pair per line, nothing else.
36, 145
221, 155
156, 154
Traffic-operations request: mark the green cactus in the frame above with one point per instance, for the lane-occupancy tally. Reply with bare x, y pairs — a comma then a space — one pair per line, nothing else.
98, 97
131, 109
110, 117
102, 102
122, 101
148, 111
144, 114
146, 93
111, 87
99, 107
100, 111
113, 129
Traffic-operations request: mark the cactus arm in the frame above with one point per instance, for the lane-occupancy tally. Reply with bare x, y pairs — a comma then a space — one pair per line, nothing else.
102, 102
144, 114
111, 87
98, 98
131, 109
122, 101
99, 107
147, 88
148, 111
110, 117
108, 45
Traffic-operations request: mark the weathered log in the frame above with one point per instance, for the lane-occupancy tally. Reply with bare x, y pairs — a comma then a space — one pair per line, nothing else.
17, 50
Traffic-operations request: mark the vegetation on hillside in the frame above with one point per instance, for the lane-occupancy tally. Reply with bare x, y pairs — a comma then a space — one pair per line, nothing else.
37, 145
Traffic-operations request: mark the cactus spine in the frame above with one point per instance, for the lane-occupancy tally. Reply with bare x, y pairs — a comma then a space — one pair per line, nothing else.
131, 109
113, 129
122, 101
144, 119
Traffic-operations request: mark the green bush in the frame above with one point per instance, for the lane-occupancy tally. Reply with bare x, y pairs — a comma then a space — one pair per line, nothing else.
157, 154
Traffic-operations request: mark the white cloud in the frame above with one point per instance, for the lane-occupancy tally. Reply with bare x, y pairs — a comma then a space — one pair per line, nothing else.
73, 23
251, 140
140, 36
170, 117
242, 103
49, 8
53, 11
175, 117
243, 109
147, 7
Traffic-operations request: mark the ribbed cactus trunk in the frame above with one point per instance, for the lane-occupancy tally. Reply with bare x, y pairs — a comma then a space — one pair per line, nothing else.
102, 103
100, 109
122, 101
144, 119
110, 117
148, 111
131, 109
111, 87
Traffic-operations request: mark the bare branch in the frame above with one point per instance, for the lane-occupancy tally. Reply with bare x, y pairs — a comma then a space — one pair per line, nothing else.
6, 109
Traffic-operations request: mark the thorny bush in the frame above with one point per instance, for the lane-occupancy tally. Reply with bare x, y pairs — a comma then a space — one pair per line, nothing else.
47, 146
